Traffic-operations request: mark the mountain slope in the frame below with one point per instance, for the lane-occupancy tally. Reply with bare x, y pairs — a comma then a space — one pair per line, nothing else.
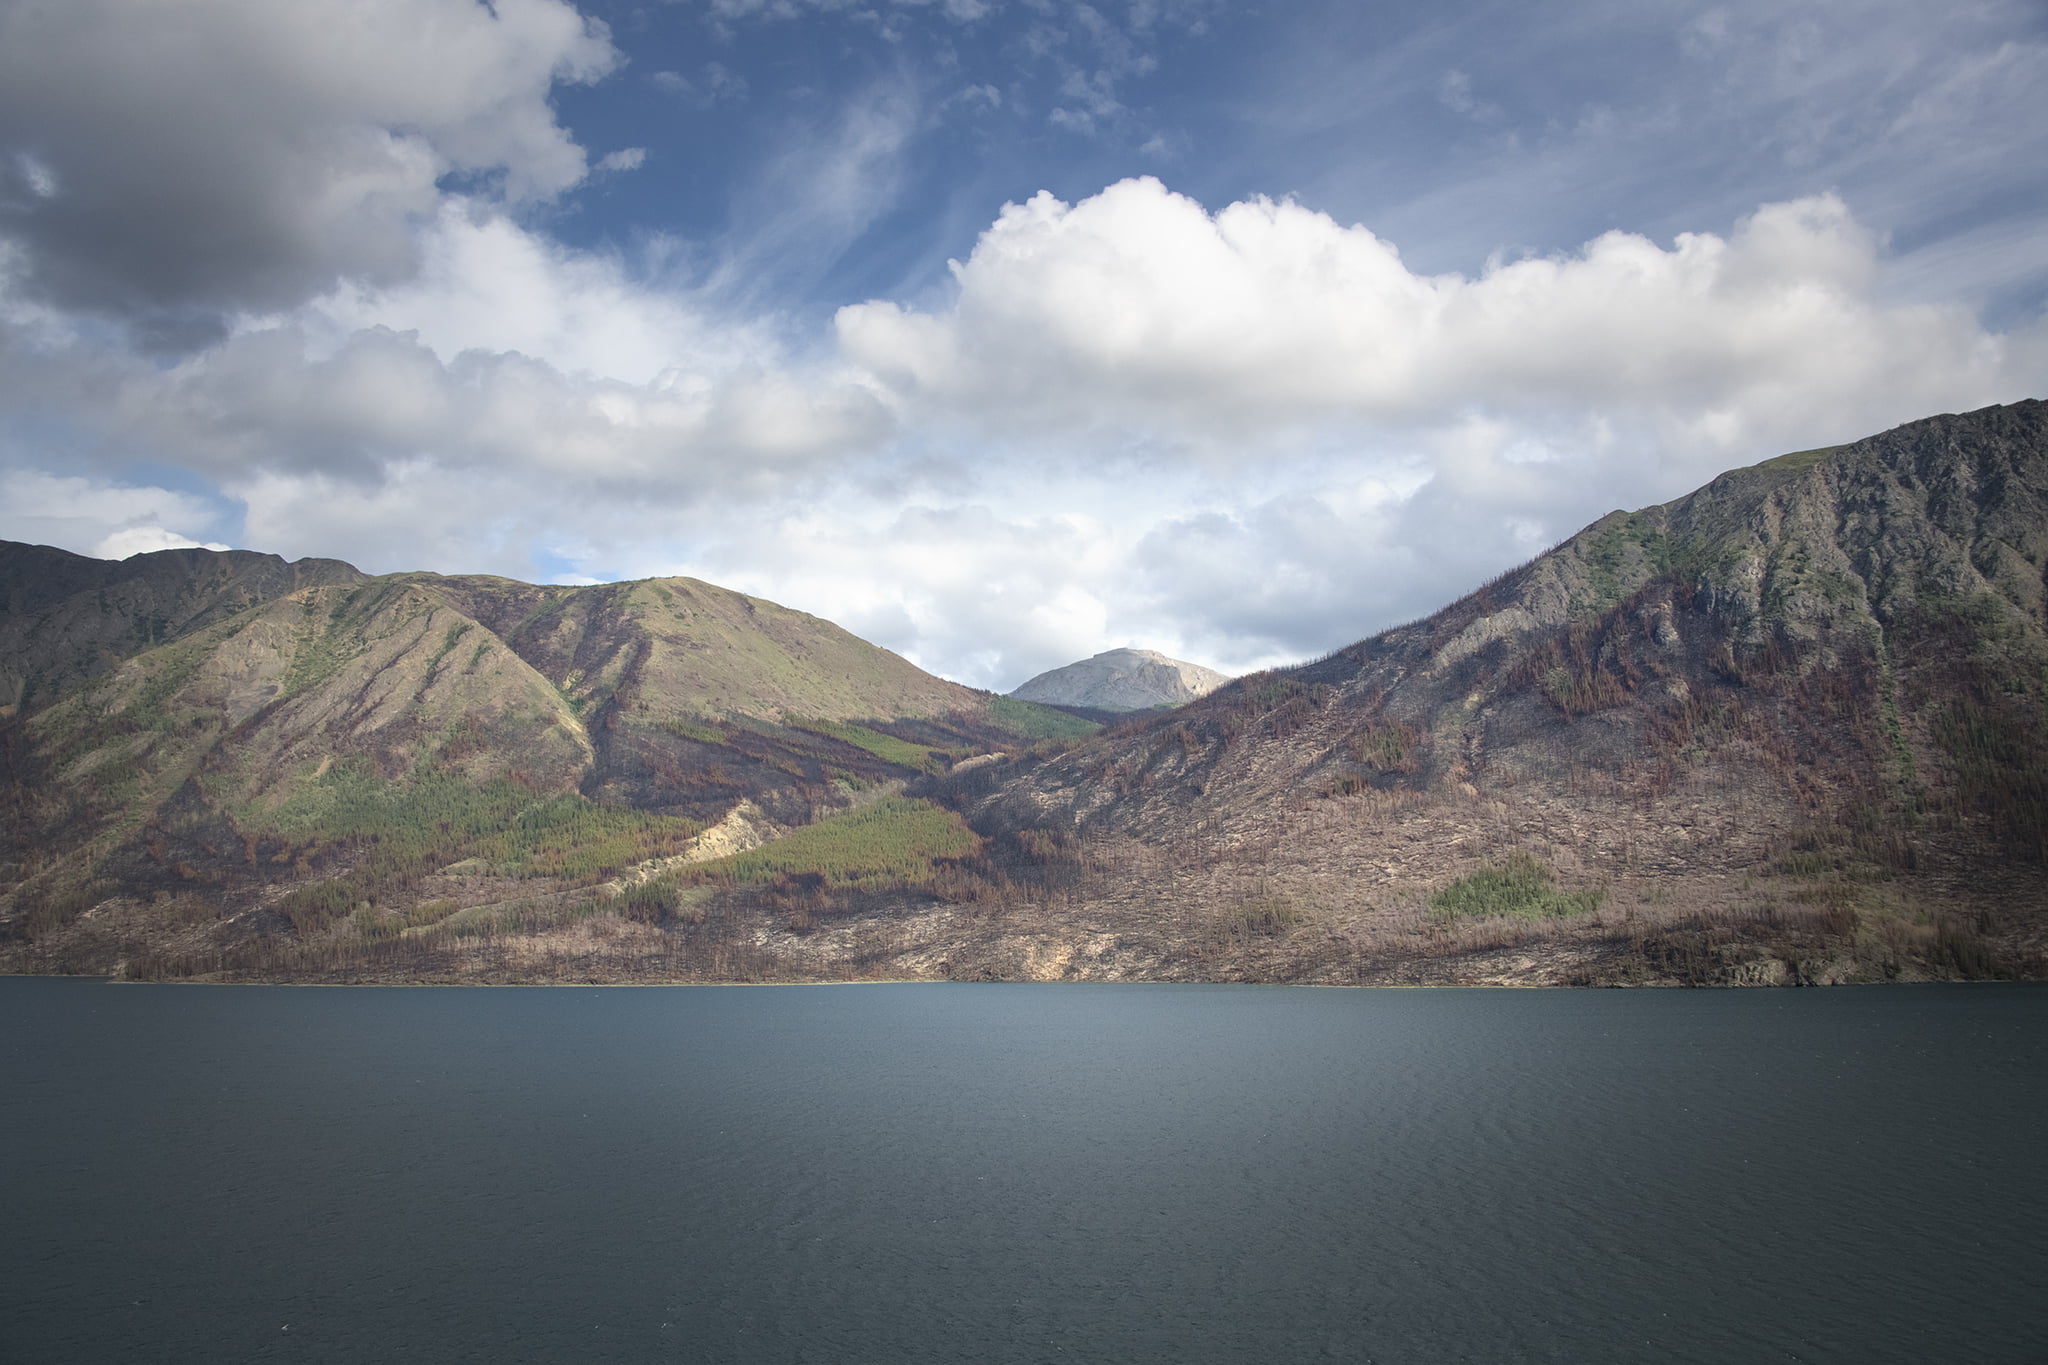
1790, 725
65, 618
1790, 728
266, 737
1122, 680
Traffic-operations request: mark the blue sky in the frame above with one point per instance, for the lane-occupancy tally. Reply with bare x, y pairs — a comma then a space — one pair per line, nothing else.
1001, 333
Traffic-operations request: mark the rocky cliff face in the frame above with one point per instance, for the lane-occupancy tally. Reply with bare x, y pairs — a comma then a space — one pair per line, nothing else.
1122, 680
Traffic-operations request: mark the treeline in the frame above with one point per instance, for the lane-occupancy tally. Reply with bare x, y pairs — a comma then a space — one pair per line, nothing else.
863, 861
894, 841
390, 835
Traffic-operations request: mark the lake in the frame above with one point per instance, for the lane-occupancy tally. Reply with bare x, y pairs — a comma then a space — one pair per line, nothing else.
1022, 1173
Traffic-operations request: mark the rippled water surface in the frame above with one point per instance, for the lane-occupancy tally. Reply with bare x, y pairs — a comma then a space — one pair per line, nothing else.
1022, 1173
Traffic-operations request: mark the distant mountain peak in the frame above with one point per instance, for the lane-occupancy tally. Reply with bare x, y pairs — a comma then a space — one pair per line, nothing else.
1122, 680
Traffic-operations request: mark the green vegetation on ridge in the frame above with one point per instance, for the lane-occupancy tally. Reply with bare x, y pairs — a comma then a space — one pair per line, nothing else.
896, 841
888, 748
392, 833
1029, 720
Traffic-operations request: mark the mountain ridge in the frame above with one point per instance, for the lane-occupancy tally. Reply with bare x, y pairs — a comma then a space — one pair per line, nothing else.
1789, 728
264, 736
1831, 661
141, 601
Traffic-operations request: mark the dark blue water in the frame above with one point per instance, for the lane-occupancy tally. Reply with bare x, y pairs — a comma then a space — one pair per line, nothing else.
1022, 1173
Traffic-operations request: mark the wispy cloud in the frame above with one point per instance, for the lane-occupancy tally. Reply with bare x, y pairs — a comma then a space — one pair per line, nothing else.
814, 196
712, 84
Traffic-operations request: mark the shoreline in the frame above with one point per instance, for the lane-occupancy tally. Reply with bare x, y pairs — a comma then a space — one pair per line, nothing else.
929, 981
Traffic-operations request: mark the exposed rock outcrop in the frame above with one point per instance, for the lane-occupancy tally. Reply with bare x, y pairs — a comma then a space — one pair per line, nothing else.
1122, 680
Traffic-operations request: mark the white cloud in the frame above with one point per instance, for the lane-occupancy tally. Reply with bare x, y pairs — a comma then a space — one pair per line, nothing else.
506, 356
1139, 307
142, 540
934, 582
976, 97
96, 517
845, 173
624, 159
36, 174
265, 402
1454, 91
1305, 441
485, 283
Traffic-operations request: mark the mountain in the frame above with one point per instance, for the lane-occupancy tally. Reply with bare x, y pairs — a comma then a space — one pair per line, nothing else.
1122, 680
1790, 728
226, 750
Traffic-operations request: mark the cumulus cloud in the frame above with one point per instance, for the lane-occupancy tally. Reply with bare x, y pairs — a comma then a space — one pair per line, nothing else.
986, 592
512, 394
167, 163
506, 358
484, 283
142, 540
1315, 441
1138, 305
264, 402
97, 517
624, 159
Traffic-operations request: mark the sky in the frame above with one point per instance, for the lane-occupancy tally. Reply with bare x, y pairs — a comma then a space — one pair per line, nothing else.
1000, 332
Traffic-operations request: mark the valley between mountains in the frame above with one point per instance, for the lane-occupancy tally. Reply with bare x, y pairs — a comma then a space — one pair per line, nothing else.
1789, 729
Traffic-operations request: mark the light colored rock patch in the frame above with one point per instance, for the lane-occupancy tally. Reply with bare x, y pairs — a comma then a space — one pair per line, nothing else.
1480, 634
745, 826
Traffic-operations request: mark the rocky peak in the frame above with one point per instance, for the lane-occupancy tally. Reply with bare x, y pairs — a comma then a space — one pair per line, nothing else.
1122, 680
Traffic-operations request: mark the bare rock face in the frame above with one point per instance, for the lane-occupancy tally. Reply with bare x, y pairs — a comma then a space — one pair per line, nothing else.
1123, 680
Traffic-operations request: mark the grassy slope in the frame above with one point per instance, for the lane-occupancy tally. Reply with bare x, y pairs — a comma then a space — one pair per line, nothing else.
892, 842
693, 649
